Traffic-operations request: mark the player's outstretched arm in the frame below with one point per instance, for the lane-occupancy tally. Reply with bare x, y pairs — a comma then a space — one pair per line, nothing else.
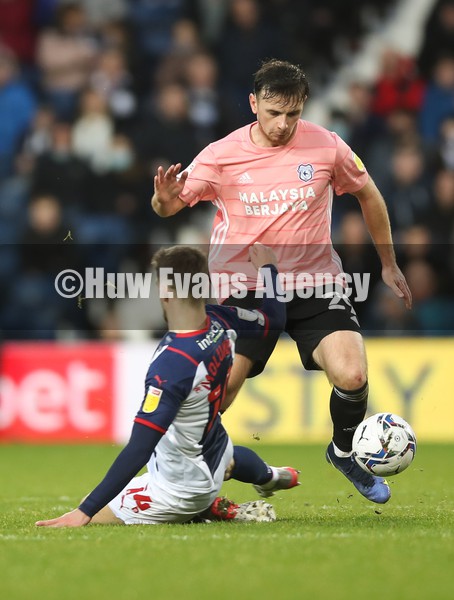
75, 518
128, 463
168, 186
376, 217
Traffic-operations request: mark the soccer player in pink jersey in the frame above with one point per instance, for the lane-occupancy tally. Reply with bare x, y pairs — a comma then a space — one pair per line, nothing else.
272, 182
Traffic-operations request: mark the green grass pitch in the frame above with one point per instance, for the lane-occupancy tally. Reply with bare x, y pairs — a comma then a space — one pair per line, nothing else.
328, 542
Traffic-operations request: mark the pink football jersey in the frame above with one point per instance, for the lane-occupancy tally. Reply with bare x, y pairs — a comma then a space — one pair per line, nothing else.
279, 196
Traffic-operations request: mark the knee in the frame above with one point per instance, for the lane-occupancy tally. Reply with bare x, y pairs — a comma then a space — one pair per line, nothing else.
350, 378
229, 470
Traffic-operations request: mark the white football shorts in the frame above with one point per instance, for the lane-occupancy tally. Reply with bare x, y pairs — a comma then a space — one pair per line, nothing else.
144, 501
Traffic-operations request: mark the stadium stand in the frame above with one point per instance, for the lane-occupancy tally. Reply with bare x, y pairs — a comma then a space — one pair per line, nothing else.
95, 94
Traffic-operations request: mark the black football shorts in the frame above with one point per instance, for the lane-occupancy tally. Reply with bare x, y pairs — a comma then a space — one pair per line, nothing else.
309, 320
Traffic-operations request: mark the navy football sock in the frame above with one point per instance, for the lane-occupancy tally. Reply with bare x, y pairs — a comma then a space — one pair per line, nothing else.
249, 467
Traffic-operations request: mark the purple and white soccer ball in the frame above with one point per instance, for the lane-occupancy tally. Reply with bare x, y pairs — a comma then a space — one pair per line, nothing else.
384, 444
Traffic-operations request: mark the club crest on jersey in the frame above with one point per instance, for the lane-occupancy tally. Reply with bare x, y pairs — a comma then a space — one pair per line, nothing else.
152, 399
305, 172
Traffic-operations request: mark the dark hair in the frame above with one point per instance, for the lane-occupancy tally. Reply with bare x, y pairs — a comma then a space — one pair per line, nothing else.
182, 260
281, 79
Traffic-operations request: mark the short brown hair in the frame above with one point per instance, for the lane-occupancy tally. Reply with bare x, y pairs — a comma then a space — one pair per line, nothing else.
182, 260
281, 79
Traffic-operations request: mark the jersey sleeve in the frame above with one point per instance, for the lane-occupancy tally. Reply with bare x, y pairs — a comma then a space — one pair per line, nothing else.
257, 322
204, 178
253, 323
168, 382
350, 174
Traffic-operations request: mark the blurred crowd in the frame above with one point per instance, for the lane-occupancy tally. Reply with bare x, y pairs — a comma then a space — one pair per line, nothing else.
95, 94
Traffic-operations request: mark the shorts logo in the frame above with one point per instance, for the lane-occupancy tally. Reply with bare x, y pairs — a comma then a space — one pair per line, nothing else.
152, 399
305, 172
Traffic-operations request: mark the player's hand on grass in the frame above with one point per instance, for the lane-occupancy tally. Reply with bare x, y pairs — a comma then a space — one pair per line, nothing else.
75, 518
168, 185
262, 255
395, 279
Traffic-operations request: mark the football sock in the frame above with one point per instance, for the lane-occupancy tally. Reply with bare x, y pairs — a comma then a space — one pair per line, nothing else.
249, 467
340, 453
347, 408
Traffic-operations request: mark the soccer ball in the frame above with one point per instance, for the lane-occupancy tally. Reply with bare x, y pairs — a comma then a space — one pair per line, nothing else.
384, 444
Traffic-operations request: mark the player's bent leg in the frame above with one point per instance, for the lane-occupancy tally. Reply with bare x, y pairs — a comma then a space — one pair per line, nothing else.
248, 467
342, 356
106, 517
240, 370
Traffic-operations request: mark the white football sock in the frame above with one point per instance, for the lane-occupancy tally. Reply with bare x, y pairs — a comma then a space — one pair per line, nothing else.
340, 453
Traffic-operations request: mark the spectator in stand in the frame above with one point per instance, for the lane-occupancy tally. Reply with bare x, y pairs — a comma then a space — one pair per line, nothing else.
99, 12
185, 43
439, 218
360, 127
209, 16
358, 255
398, 85
116, 191
439, 99
430, 266
400, 129
417, 244
446, 144
59, 172
17, 109
117, 34
93, 131
38, 139
120, 36
165, 129
312, 28
32, 310
45, 228
152, 22
108, 207
433, 308
407, 191
385, 315
246, 41
112, 79
66, 55
17, 31
324, 32
205, 110
438, 36
166, 133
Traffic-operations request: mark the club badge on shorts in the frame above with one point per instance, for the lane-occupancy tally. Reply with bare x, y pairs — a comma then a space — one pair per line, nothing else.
305, 172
